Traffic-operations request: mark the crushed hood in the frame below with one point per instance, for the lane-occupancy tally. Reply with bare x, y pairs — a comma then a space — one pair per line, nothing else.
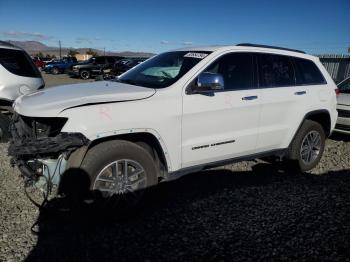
51, 101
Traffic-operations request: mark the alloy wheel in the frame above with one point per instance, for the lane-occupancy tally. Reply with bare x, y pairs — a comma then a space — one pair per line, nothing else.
120, 177
310, 147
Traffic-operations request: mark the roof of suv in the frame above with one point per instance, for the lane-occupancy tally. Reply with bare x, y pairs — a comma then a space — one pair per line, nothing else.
250, 47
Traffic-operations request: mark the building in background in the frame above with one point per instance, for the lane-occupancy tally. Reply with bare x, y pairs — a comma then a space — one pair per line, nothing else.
82, 57
338, 66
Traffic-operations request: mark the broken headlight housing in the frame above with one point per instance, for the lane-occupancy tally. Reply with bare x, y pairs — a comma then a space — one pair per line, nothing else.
38, 127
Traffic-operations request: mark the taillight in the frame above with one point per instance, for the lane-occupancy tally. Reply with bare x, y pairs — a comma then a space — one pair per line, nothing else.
337, 91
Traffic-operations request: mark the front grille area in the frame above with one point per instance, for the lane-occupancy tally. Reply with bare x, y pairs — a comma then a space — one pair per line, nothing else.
342, 127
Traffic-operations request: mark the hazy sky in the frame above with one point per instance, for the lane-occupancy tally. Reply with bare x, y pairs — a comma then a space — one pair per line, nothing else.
155, 26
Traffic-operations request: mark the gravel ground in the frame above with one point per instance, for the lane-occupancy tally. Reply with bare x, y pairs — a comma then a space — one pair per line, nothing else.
250, 211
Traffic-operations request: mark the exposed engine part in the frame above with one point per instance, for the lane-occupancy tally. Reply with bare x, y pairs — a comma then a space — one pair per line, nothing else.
40, 150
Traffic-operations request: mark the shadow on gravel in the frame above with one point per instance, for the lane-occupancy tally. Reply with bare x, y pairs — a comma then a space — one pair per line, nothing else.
340, 137
264, 214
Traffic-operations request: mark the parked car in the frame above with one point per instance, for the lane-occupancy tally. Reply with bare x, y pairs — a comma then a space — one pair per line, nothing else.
124, 65
343, 107
176, 113
61, 66
39, 62
18, 76
49, 60
94, 66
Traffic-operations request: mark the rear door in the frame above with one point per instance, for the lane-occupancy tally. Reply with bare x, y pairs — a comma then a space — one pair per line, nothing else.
282, 102
224, 124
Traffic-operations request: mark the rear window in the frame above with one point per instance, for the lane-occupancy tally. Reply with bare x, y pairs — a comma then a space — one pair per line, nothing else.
18, 62
275, 71
307, 73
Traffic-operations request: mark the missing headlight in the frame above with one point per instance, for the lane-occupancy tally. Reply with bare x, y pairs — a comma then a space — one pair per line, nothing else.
37, 127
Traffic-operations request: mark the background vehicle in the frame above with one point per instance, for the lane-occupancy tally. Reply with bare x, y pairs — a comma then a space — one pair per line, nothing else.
18, 76
125, 65
39, 62
61, 66
176, 113
343, 107
94, 66
48, 60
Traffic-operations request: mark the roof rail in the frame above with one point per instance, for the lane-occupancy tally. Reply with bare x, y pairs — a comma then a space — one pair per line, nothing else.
272, 47
6, 43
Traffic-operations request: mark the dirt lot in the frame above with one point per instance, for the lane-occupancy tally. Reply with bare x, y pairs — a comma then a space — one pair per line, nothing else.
250, 211
62, 79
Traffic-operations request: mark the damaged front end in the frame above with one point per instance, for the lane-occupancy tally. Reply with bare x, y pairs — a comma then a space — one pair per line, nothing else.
40, 150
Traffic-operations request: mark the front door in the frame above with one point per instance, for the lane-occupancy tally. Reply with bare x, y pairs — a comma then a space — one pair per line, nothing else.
223, 124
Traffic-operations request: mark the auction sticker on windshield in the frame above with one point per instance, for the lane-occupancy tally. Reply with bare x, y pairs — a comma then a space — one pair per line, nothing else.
196, 55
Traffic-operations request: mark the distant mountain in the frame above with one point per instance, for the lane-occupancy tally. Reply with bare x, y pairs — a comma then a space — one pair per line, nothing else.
33, 47
30, 45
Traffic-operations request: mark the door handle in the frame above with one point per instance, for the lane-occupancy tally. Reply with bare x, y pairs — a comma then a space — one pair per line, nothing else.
247, 98
300, 93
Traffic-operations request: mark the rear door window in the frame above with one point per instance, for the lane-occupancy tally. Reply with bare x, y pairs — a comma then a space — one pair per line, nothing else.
18, 62
275, 71
307, 73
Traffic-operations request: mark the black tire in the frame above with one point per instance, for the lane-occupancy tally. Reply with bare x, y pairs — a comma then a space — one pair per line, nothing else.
4, 128
55, 71
295, 148
85, 74
101, 155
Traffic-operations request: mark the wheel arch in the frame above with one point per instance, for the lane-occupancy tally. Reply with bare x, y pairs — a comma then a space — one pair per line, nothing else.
321, 116
142, 138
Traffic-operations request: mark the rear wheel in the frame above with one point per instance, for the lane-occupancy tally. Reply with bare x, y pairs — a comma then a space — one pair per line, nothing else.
85, 74
119, 170
308, 145
4, 128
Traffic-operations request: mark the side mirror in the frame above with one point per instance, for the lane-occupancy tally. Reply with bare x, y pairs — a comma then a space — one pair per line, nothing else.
209, 82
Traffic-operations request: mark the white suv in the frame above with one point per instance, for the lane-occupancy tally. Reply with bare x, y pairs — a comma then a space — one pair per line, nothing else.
18, 76
178, 112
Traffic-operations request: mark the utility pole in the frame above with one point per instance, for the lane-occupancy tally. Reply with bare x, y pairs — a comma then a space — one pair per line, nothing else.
104, 51
59, 43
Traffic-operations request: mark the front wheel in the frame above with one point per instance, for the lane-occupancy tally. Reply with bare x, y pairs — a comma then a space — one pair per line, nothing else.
55, 71
308, 145
120, 170
85, 74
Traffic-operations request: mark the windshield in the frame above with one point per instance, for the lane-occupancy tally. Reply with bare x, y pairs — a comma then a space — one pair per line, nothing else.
345, 86
163, 70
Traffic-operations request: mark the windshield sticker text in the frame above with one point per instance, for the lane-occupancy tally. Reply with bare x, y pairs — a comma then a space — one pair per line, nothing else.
196, 55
